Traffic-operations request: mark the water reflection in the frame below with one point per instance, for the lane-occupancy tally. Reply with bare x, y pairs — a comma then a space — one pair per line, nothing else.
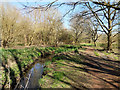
31, 78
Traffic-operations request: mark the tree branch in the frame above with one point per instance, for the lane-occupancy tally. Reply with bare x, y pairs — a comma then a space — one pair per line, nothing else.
108, 5
98, 19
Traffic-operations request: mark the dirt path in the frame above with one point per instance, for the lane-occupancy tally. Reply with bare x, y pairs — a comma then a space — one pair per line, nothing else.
105, 72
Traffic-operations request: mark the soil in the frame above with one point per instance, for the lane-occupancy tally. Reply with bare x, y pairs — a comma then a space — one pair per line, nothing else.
105, 72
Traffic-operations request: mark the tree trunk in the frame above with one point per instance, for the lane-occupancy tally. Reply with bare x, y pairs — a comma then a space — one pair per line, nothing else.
94, 43
3, 43
109, 41
89, 41
25, 37
76, 40
109, 31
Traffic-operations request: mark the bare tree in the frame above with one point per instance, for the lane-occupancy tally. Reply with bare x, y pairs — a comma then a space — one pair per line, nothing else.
46, 25
115, 5
81, 27
108, 15
105, 12
77, 27
94, 28
8, 24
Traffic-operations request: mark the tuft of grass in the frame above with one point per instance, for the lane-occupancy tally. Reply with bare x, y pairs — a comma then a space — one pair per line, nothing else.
83, 48
106, 53
59, 61
88, 44
117, 58
58, 75
96, 53
47, 63
76, 50
48, 69
41, 81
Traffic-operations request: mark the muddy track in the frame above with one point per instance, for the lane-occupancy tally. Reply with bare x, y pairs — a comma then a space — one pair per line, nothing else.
105, 72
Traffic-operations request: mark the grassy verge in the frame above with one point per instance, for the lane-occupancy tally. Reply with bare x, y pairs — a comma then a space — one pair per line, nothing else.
15, 61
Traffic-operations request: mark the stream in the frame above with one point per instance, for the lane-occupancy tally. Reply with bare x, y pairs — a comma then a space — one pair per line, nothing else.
30, 79
33, 74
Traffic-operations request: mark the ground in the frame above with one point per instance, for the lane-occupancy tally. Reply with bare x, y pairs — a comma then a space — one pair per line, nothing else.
88, 68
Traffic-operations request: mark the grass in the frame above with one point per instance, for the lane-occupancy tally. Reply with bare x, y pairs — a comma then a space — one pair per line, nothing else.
48, 62
58, 75
96, 53
65, 72
48, 69
41, 81
87, 44
117, 58
28, 55
24, 57
19, 59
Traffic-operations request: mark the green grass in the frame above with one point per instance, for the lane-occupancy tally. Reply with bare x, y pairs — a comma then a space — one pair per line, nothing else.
58, 75
65, 70
41, 81
87, 44
47, 69
48, 62
26, 56
96, 53
117, 58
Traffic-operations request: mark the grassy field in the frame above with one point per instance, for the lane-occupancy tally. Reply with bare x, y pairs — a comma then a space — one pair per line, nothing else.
65, 69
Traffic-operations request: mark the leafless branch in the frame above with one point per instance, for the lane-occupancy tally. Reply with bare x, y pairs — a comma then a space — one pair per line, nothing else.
108, 5
97, 17
116, 34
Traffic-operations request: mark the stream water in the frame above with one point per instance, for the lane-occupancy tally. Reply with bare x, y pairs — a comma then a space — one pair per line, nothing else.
30, 79
33, 74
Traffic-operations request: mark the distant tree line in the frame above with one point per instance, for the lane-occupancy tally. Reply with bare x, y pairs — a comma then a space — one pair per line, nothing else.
45, 27
105, 13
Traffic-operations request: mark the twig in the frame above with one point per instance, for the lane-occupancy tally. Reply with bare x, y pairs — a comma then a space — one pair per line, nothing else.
28, 80
17, 84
